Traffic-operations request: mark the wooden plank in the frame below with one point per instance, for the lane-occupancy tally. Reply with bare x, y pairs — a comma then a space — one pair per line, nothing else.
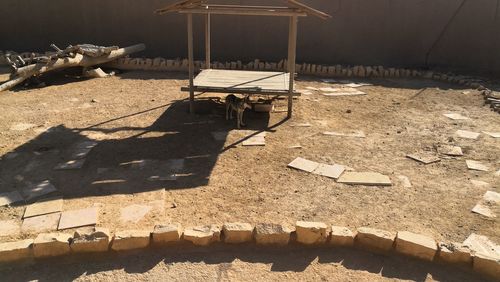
292, 48
244, 12
249, 91
234, 79
191, 62
308, 9
207, 41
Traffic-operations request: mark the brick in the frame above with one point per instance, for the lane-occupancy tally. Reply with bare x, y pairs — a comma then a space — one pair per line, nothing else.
416, 245
162, 234
237, 232
486, 265
454, 253
95, 239
375, 240
15, 251
272, 234
311, 232
51, 244
130, 239
341, 236
202, 235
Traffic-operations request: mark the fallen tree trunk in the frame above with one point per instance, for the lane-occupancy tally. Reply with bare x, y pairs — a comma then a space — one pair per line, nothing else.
79, 60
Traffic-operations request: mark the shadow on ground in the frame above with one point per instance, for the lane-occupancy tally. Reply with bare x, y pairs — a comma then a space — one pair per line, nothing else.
293, 259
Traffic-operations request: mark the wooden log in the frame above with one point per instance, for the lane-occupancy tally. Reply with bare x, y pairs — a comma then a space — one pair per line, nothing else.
78, 61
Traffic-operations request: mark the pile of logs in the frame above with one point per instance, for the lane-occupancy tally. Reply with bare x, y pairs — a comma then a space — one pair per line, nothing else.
84, 55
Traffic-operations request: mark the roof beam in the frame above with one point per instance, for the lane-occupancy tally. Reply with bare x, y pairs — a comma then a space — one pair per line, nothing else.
244, 11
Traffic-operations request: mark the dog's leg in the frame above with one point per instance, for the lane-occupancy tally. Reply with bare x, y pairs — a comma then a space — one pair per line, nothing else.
238, 119
227, 109
241, 118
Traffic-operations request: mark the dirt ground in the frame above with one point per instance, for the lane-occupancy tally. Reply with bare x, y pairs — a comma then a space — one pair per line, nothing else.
143, 116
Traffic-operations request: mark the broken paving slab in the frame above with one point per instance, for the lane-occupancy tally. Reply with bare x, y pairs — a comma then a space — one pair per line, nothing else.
40, 189
295, 147
450, 150
303, 164
71, 164
134, 213
332, 171
41, 223
483, 245
482, 209
45, 206
9, 227
82, 149
78, 218
405, 181
424, 157
168, 177
476, 165
255, 141
364, 178
492, 196
355, 133
467, 134
455, 116
22, 126
479, 183
10, 198
349, 93
492, 134
304, 124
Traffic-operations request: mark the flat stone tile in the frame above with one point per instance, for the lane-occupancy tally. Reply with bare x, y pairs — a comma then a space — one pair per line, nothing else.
134, 213
450, 150
483, 209
424, 157
479, 183
255, 141
304, 124
364, 178
483, 245
492, 134
45, 206
303, 164
10, 198
455, 116
22, 126
78, 218
476, 165
492, 196
41, 223
355, 133
467, 134
405, 181
40, 189
9, 227
166, 177
72, 164
332, 171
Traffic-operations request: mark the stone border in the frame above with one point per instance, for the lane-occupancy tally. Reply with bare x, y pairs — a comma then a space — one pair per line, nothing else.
377, 241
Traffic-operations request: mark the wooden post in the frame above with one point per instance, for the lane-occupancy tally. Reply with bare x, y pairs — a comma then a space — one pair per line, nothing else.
207, 41
191, 63
292, 48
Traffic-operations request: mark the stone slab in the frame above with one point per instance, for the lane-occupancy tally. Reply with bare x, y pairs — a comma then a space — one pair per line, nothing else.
134, 213
9, 227
82, 149
303, 164
483, 209
424, 157
455, 116
237, 232
255, 141
71, 164
481, 244
376, 240
344, 93
341, 236
272, 234
44, 206
91, 240
467, 134
78, 218
416, 245
16, 251
450, 150
492, 134
332, 171
364, 178
46, 222
492, 197
476, 165
130, 239
167, 233
40, 189
309, 232
202, 235
487, 266
10, 198
303, 124
51, 244
479, 183
454, 253
404, 181
22, 126
355, 134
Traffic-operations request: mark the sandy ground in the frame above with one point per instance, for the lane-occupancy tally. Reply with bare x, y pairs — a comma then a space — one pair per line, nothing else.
244, 263
143, 116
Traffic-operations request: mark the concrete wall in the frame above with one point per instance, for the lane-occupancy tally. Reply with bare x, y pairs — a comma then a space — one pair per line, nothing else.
386, 32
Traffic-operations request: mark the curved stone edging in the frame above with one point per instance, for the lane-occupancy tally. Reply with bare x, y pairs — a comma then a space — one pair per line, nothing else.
266, 234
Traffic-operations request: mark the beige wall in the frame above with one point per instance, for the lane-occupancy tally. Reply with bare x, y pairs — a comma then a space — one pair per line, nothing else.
386, 32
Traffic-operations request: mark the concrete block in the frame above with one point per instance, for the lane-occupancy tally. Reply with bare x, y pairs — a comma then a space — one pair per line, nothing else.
416, 245
454, 253
375, 240
51, 245
130, 239
486, 265
272, 234
311, 232
16, 251
341, 236
202, 235
237, 232
95, 239
162, 234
